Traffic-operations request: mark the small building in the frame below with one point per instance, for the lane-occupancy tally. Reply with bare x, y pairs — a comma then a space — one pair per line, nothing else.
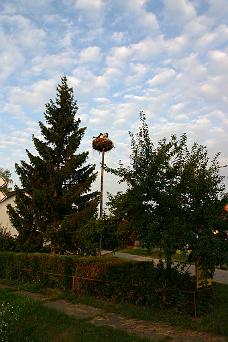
4, 217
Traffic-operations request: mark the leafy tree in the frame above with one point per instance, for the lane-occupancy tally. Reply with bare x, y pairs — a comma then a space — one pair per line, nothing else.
121, 215
174, 196
56, 182
7, 176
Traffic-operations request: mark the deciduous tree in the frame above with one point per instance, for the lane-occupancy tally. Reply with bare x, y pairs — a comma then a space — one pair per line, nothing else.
5, 173
174, 196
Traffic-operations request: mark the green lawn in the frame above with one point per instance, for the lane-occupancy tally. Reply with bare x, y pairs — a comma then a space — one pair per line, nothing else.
22, 319
154, 253
214, 321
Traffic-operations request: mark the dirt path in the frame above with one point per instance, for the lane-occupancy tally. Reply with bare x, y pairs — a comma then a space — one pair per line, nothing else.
154, 331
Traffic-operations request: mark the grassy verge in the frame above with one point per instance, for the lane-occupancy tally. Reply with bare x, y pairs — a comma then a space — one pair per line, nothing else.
25, 320
214, 321
154, 253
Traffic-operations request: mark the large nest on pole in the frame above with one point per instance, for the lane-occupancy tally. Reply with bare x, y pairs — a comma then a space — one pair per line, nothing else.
102, 143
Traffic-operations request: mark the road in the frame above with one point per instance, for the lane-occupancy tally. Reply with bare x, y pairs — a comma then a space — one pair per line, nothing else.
220, 276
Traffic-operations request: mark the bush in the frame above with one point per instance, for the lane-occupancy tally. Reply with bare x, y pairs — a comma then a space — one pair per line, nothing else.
51, 271
7, 241
103, 277
140, 283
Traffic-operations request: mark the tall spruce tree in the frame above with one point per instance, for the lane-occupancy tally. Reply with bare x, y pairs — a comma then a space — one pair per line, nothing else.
56, 182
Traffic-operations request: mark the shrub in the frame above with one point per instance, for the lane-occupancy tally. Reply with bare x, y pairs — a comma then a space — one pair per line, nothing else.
103, 277
140, 283
7, 241
52, 271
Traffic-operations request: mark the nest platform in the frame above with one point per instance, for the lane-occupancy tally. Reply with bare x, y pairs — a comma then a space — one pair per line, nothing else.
102, 144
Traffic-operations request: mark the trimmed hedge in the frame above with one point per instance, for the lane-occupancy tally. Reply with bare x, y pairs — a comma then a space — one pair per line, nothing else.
140, 283
52, 271
103, 277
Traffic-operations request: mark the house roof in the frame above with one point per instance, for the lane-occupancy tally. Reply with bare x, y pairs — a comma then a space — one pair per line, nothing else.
10, 194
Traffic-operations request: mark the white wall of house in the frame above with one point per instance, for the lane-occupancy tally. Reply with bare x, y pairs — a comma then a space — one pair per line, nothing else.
4, 217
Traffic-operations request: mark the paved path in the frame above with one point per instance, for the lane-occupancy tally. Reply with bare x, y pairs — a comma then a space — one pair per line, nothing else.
156, 332
221, 276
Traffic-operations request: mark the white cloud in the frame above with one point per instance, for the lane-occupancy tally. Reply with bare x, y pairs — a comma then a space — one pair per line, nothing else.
91, 13
52, 63
25, 33
218, 9
118, 56
179, 11
90, 54
136, 73
140, 15
34, 96
162, 77
121, 57
90, 83
118, 37
11, 60
177, 45
198, 26
212, 39
89, 5
15, 110
218, 62
8, 8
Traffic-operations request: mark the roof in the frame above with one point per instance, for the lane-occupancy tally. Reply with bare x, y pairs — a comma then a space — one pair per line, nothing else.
10, 194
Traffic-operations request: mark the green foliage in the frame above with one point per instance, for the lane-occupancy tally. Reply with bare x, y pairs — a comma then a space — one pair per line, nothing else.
103, 277
27, 320
120, 218
8, 318
174, 198
56, 198
7, 176
107, 233
125, 283
7, 242
51, 271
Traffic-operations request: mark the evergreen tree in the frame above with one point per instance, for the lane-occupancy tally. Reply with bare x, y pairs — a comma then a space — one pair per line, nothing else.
56, 182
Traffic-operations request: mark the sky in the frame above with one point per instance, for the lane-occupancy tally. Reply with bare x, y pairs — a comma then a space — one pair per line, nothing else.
165, 57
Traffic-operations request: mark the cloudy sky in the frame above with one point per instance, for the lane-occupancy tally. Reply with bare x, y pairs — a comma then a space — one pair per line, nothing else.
166, 57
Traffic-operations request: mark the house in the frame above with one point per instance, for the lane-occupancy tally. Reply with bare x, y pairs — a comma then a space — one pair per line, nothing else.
4, 217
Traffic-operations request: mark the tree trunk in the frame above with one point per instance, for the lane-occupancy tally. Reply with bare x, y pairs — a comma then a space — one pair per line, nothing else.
53, 248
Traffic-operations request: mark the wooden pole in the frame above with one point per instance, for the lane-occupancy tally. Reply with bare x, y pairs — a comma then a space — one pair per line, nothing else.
102, 185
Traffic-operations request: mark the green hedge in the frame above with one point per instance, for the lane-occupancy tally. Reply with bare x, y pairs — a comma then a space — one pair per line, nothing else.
53, 271
103, 277
141, 283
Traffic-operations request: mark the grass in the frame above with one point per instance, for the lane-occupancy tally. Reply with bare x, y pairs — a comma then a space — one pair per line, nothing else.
213, 321
154, 253
179, 256
25, 320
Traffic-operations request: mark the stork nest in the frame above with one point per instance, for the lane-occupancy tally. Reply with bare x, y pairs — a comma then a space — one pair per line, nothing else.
100, 144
